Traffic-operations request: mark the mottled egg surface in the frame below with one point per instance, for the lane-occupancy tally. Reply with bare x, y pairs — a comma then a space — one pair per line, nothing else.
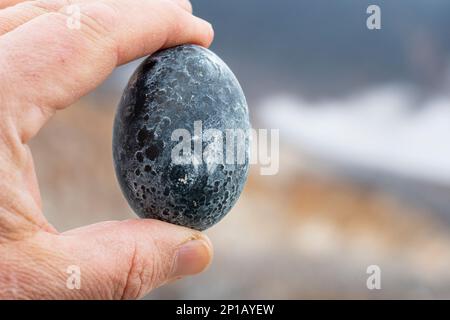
181, 138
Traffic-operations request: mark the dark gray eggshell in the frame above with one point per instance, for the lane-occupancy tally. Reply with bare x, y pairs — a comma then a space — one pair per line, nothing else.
170, 90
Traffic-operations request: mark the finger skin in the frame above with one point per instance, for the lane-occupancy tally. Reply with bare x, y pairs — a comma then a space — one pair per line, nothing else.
116, 260
24, 11
14, 16
8, 3
58, 65
185, 4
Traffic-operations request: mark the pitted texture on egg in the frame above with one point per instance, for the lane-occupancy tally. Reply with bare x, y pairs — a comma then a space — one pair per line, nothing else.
174, 89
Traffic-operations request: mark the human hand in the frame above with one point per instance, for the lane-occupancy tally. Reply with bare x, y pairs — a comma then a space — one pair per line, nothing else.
45, 66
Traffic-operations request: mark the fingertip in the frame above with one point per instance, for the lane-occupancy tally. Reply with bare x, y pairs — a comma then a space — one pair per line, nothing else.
209, 248
210, 35
206, 33
189, 29
207, 30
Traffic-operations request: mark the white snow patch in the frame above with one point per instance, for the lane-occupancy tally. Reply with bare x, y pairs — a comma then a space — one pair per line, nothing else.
377, 129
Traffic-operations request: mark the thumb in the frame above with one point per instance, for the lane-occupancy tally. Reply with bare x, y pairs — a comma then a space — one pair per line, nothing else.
128, 259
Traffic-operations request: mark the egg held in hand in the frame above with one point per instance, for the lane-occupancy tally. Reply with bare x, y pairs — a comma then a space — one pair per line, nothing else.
181, 138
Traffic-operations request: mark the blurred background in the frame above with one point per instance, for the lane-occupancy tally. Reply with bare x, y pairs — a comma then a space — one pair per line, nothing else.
364, 178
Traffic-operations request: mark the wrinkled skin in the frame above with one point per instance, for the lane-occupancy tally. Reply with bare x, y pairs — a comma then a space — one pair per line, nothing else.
46, 66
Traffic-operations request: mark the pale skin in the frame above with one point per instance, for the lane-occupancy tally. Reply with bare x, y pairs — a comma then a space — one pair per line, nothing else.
45, 66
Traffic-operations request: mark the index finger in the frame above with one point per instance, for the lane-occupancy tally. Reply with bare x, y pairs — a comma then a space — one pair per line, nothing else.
15, 15
48, 64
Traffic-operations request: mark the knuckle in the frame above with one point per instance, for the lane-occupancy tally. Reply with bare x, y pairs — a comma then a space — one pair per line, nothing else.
145, 272
178, 26
97, 19
101, 17
173, 15
97, 22
135, 278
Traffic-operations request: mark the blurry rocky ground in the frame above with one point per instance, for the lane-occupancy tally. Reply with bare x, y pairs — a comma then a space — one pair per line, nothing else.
304, 233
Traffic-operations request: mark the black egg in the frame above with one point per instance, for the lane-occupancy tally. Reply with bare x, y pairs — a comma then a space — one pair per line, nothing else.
181, 138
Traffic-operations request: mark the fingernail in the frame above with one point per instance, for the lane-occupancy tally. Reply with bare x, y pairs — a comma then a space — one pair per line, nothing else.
192, 257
